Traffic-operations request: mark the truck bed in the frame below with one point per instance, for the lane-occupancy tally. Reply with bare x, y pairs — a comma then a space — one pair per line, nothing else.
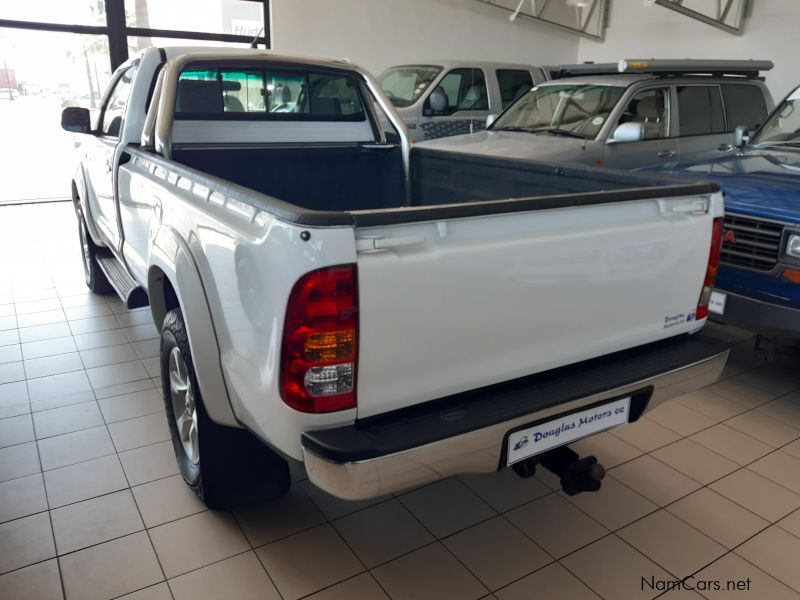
358, 177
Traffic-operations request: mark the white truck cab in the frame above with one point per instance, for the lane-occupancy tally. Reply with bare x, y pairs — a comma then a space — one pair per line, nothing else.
441, 98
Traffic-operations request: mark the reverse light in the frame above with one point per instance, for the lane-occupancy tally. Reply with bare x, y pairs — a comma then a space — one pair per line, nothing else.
714, 256
320, 341
793, 245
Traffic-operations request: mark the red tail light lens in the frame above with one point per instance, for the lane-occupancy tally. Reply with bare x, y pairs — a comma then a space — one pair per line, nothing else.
320, 342
714, 257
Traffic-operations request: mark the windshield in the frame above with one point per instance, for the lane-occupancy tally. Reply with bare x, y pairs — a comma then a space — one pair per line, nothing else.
577, 109
783, 127
404, 85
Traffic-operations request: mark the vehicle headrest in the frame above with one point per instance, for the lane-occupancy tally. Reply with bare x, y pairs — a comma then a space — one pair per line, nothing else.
198, 97
651, 107
326, 106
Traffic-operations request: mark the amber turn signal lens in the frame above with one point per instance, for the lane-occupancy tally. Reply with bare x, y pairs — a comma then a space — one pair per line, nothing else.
330, 346
792, 275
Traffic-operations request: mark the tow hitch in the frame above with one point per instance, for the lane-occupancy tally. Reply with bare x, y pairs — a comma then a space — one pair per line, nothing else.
576, 474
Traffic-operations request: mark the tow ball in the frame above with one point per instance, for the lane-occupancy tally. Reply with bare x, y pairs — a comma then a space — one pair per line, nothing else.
576, 474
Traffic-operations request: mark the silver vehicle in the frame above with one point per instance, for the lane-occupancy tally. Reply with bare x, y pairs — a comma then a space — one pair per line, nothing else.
444, 98
629, 115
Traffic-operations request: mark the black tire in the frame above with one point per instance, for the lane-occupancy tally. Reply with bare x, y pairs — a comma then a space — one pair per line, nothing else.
232, 466
96, 280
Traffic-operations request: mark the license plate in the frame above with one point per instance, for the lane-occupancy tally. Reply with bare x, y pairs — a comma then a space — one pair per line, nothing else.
716, 303
562, 430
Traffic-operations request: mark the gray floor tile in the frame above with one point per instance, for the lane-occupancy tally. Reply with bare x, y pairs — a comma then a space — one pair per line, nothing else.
447, 506
94, 521
84, 480
22, 497
111, 569
36, 582
16, 430
71, 448
18, 461
25, 541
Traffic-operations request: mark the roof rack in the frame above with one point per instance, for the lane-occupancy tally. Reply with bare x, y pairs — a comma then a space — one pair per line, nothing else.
669, 68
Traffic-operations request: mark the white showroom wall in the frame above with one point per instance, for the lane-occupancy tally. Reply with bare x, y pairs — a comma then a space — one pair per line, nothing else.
638, 31
380, 33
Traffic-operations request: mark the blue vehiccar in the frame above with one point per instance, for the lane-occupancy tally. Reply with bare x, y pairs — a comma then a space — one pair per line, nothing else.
758, 284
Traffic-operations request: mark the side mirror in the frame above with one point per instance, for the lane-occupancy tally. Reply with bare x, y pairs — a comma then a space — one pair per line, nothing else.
627, 132
489, 120
438, 102
741, 136
75, 119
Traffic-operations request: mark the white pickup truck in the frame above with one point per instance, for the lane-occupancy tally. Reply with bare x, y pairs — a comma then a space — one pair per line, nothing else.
387, 316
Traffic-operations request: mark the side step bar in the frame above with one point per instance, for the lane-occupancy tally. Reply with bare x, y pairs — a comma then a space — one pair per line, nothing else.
132, 294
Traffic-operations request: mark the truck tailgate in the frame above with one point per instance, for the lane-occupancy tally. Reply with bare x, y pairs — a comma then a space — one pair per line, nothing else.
456, 304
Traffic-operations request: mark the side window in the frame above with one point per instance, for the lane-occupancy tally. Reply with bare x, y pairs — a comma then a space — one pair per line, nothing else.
744, 105
700, 110
513, 83
651, 109
114, 110
465, 89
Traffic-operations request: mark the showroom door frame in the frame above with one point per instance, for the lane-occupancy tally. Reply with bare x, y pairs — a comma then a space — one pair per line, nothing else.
117, 31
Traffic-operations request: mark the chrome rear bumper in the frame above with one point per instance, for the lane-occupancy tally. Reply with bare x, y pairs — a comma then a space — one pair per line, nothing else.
482, 450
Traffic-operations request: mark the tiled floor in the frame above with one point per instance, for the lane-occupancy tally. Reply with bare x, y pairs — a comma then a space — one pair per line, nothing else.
91, 505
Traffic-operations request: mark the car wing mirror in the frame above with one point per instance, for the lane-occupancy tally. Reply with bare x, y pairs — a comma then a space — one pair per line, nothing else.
741, 136
76, 120
437, 102
627, 132
489, 120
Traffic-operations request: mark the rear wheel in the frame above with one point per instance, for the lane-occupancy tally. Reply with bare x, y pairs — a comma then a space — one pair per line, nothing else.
96, 280
225, 466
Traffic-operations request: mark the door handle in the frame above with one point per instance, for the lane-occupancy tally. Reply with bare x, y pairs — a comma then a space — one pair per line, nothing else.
666, 154
108, 165
724, 147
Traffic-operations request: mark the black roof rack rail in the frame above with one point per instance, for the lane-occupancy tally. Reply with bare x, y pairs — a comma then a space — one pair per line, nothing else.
668, 67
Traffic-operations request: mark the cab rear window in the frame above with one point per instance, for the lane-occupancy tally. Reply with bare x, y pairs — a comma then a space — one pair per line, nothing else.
256, 93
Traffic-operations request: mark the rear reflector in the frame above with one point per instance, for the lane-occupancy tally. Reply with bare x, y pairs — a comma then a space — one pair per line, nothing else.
714, 256
320, 342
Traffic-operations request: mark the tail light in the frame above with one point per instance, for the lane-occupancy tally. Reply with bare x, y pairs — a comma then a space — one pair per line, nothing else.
711, 270
320, 342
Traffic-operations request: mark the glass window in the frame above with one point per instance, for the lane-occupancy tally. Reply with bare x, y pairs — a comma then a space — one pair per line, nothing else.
513, 84
404, 85
114, 110
465, 89
274, 93
783, 126
744, 105
651, 109
577, 110
47, 72
74, 12
700, 110
236, 17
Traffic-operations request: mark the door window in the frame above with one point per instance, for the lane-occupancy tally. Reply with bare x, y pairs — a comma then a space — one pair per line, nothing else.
513, 84
465, 89
114, 110
744, 105
651, 109
700, 110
